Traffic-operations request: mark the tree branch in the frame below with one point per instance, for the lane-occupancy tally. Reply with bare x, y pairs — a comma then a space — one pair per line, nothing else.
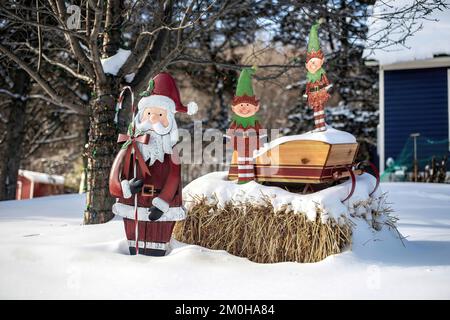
145, 70
39, 37
13, 17
61, 65
93, 46
45, 86
231, 66
58, 139
73, 42
137, 56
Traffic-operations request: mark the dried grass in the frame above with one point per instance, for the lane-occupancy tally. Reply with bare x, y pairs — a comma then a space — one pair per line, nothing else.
257, 232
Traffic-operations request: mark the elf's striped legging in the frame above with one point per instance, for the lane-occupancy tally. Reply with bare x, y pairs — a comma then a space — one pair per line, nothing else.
317, 101
319, 118
245, 161
246, 169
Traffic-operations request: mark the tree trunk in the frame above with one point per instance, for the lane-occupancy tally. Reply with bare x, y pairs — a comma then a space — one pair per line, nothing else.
113, 21
102, 148
11, 147
102, 140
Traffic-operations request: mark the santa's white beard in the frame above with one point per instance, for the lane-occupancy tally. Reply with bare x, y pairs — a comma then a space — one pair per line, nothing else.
162, 139
156, 148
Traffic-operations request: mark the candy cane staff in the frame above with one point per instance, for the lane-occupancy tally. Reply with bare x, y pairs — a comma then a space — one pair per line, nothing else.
132, 131
147, 167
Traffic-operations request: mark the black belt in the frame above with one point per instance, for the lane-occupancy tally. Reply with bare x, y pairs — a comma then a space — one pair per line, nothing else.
149, 190
316, 88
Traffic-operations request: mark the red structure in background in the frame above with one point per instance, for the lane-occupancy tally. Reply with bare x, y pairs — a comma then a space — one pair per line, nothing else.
32, 184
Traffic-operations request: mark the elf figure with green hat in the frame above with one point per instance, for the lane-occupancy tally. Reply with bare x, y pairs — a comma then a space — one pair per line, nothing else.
317, 82
244, 132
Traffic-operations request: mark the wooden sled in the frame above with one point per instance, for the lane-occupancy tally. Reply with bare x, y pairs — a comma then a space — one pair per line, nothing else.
310, 164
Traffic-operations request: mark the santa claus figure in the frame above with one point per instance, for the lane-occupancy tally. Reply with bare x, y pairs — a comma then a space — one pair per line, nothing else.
145, 176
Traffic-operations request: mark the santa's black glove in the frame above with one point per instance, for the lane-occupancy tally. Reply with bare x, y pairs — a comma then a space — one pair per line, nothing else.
136, 185
154, 213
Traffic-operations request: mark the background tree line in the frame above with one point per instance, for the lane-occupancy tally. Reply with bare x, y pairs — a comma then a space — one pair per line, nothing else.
58, 103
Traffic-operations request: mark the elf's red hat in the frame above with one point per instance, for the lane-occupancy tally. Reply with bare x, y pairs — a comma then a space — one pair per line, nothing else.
163, 92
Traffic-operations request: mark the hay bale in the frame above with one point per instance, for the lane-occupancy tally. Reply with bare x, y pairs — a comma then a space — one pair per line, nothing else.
257, 232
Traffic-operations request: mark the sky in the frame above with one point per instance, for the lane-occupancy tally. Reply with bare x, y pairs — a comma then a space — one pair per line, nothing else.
432, 39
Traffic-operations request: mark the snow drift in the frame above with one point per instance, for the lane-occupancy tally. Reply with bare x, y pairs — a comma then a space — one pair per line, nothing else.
47, 253
268, 224
216, 188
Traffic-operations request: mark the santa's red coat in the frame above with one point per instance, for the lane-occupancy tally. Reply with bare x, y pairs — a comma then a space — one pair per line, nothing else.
163, 182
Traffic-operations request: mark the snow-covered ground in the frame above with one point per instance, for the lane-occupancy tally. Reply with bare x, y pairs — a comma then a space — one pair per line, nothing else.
45, 252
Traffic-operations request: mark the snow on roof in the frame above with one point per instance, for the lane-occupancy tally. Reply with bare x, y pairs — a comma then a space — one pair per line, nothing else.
42, 177
431, 40
218, 189
331, 136
113, 64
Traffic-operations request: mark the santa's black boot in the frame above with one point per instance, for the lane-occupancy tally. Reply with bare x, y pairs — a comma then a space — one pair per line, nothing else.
133, 251
155, 252
156, 249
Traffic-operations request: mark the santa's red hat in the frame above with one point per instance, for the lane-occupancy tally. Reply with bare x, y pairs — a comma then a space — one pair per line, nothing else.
163, 92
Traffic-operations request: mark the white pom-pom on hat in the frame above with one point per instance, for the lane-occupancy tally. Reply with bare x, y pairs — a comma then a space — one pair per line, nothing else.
192, 108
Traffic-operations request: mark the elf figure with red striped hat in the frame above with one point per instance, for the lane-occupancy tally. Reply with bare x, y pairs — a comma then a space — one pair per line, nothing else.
245, 130
145, 176
317, 82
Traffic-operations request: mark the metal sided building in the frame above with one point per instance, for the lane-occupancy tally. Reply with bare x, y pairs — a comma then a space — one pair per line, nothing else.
414, 98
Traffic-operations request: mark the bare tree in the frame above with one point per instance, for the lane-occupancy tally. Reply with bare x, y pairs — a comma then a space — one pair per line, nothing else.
166, 29
351, 31
13, 118
158, 34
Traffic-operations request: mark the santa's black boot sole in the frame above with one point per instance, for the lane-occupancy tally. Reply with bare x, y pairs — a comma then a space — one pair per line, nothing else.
155, 252
133, 251
148, 252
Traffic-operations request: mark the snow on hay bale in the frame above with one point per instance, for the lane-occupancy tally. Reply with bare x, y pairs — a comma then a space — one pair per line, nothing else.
269, 224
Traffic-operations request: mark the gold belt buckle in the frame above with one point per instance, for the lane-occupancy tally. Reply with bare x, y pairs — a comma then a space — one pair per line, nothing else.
148, 190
